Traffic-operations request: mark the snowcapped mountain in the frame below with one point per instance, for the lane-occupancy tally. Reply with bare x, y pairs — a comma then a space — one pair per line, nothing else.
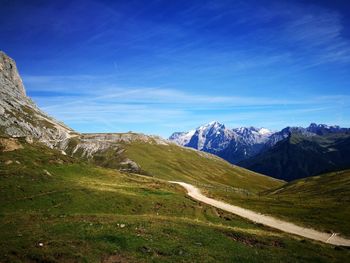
252, 135
233, 145
210, 137
238, 144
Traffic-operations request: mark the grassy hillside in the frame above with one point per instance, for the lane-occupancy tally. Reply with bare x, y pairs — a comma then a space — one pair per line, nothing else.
171, 162
321, 202
217, 178
160, 159
301, 156
333, 186
56, 209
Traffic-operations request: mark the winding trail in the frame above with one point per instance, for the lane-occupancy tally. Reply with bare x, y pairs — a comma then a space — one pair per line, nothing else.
270, 221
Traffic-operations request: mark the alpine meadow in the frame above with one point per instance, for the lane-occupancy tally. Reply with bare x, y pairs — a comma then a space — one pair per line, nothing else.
183, 131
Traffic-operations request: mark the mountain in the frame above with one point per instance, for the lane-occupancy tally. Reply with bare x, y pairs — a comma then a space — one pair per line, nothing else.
293, 152
233, 145
304, 152
19, 116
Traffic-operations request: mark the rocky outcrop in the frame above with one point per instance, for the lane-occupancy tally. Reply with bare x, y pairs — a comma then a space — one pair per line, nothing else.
19, 116
87, 145
9, 72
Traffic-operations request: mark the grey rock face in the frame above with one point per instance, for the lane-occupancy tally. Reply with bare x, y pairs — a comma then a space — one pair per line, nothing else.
8, 71
19, 116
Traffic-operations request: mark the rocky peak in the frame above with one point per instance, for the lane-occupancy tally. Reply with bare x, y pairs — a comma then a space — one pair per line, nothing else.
8, 71
19, 115
216, 124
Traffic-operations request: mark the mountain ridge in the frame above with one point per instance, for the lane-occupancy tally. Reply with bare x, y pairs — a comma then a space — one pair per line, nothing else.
215, 138
245, 145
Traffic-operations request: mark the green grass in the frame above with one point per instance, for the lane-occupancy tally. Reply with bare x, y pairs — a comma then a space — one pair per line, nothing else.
82, 213
171, 162
319, 202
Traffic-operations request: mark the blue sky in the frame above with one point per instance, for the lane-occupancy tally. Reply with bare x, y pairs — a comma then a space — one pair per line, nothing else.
163, 66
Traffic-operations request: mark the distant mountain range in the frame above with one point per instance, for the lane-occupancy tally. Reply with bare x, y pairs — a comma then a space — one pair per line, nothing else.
293, 152
234, 145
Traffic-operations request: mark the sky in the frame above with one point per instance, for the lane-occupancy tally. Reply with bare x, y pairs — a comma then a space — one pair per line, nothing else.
163, 66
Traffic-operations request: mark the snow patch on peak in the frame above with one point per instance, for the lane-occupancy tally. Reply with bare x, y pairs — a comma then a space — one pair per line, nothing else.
182, 138
264, 131
212, 124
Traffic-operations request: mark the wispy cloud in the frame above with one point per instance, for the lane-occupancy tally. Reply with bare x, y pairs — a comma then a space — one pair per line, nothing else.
174, 109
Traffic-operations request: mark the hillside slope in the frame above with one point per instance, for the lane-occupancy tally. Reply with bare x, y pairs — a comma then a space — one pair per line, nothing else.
171, 162
321, 202
221, 180
332, 186
58, 209
324, 199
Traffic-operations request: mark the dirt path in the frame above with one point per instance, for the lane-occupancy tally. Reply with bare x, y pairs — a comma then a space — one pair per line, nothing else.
266, 220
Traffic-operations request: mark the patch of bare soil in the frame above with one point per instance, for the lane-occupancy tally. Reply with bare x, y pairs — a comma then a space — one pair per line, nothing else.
9, 144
